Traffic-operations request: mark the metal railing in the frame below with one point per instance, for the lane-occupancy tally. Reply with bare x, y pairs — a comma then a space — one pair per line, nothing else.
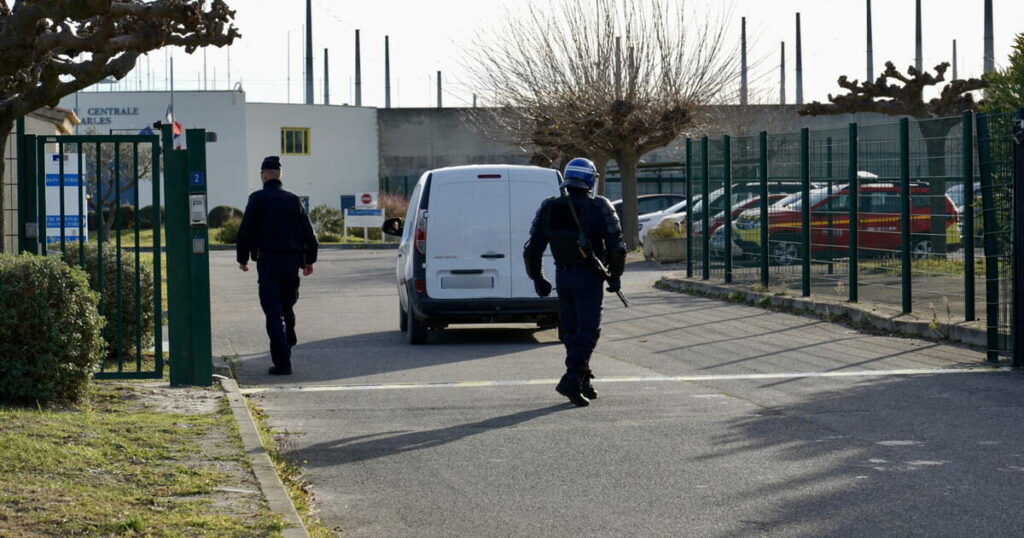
914, 214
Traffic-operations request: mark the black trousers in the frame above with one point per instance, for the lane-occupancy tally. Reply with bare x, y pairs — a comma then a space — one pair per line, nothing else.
580, 298
279, 291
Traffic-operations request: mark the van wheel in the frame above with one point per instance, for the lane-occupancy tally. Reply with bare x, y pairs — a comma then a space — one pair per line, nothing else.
416, 330
403, 320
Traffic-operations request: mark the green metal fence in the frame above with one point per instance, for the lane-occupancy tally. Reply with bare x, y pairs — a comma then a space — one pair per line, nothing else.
913, 215
81, 200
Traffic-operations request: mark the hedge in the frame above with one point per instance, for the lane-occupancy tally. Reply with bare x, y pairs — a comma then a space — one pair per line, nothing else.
129, 328
50, 343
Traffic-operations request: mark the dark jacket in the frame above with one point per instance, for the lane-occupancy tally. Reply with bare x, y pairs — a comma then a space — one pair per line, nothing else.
275, 223
600, 226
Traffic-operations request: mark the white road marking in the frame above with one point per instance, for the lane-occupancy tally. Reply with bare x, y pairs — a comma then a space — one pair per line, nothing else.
628, 379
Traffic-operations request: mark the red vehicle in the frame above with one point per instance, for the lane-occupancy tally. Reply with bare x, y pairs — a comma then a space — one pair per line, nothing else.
878, 229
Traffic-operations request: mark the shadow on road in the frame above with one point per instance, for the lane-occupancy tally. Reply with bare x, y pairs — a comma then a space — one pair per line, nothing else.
381, 352
924, 455
384, 444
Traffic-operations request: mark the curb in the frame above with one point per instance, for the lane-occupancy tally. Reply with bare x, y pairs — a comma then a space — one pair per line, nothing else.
856, 314
259, 460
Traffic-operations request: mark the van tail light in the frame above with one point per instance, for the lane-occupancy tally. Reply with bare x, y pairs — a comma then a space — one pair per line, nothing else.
420, 286
420, 238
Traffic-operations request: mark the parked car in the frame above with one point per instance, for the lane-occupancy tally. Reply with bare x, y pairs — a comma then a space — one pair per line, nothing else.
956, 193
650, 203
460, 255
878, 223
649, 221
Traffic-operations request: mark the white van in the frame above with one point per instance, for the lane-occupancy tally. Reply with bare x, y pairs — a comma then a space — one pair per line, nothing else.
461, 255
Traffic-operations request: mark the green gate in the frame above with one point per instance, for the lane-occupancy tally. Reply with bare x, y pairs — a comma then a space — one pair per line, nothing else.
84, 198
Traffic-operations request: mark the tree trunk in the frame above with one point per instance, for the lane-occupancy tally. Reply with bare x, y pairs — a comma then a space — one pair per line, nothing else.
627, 161
5, 132
936, 133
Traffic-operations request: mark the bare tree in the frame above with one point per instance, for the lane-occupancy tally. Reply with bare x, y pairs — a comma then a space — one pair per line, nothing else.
605, 79
52, 48
907, 99
117, 167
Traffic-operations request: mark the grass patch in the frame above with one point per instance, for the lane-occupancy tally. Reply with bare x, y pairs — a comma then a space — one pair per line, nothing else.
298, 490
111, 466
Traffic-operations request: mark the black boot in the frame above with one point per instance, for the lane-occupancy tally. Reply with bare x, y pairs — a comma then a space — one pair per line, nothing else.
571, 386
587, 389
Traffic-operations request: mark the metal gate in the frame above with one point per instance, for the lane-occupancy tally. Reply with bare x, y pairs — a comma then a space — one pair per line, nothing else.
96, 201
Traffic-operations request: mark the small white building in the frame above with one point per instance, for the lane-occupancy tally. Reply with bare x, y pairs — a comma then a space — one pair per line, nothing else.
326, 151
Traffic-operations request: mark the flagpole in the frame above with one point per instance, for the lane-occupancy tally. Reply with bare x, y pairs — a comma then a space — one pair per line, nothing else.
172, 91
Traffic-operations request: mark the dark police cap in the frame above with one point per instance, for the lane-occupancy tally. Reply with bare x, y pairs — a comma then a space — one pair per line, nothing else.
271, 163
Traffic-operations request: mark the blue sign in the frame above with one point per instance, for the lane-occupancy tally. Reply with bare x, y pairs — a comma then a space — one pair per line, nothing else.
70, 221
197, 179
365, 213
70, 180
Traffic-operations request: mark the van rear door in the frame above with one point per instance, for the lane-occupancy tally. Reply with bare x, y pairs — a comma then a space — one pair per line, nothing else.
469, 252
528, 188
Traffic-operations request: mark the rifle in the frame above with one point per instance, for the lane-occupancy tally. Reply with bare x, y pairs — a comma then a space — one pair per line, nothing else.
586, 251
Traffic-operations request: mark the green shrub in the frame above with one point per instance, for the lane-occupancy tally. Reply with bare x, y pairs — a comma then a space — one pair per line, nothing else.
145, 216
327, 219
50, 342
120, 314
328, 237
665, 230
127, 213
228, 233
221, 214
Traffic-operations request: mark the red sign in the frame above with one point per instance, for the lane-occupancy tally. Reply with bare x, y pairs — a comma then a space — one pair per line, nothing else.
366, 198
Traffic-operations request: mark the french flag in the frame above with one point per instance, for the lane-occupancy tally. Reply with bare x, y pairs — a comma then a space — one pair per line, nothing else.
176, 127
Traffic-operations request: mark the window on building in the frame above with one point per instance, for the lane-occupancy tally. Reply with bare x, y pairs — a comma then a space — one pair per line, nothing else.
295, 141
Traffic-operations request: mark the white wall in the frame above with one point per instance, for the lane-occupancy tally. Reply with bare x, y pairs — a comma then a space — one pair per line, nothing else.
343, 156
222, 112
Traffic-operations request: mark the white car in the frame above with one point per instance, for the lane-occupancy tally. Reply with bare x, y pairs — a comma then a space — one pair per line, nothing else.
460, 256
651, 221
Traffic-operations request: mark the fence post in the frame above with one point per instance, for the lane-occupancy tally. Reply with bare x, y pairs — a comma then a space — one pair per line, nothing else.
854, 189
991, 247
689, 207
967, 237
805, 211
1018, 237
828, 174
727, 193
905, 253
705, 254
763, 231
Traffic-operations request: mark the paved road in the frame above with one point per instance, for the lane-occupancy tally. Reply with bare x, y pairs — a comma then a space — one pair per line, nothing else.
714, 420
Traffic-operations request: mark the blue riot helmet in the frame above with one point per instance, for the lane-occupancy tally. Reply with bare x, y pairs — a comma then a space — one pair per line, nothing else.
580, 173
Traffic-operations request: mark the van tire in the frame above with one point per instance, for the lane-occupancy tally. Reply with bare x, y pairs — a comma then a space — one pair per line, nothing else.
403, 320
416, 330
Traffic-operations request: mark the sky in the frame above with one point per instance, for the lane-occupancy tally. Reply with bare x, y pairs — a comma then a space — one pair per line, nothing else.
428, 36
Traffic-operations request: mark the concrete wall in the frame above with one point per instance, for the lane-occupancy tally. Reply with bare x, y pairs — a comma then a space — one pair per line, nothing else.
222, 112
343, 154
33, 126
413, 140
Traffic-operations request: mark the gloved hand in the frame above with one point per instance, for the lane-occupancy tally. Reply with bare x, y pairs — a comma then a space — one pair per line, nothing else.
542, 287
614, 284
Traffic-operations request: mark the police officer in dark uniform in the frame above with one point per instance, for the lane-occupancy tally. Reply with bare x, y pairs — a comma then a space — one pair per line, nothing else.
577, 225
277, 234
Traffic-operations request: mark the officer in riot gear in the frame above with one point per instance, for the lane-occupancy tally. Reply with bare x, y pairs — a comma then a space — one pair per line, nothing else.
276, 233
585, 236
